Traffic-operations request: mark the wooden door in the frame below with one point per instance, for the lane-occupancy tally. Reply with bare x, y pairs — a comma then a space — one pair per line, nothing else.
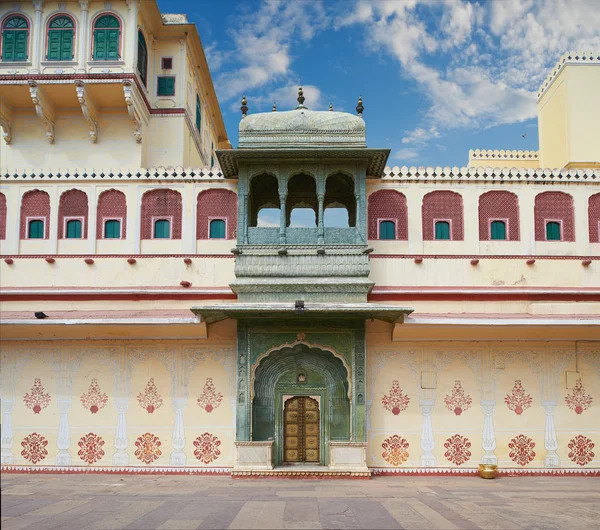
301, 430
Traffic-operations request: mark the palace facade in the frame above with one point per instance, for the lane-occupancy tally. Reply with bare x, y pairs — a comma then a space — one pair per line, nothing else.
155, 317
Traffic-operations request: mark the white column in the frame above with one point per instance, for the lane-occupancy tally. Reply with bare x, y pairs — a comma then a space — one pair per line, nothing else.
13, 239
92, 217
63, 458
414, 201
188, 223
181, 82
178, 456
427, 442
37, 40
550, 441
121, 458
489, 435
581, 224
130, 51
83, 39
7, 457
54, 193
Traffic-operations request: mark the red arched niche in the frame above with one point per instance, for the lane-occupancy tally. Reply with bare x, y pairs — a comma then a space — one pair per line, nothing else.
73, 203
216, 204
442, 205
554, 206
501, 206
389, 205
112, 204
2, 216
162, 203
36, 204
594, 218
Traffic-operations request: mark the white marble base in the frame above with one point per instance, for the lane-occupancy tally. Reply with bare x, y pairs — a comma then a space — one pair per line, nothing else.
253, 455
348, 456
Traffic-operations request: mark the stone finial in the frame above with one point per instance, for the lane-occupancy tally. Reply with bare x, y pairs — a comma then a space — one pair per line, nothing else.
274, 107
300, 97
360, 108
244, 107
330, 107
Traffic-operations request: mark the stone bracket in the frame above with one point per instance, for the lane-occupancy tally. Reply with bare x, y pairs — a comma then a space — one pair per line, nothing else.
88, 107
6, 119
44, 109
134, 108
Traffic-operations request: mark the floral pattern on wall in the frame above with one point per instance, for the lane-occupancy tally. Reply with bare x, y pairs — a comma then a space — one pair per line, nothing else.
147, 448
518, 400
207, 448
578, 400
580, 450
395, 401
457, 449
90, 448
38, 399
395, 450
521, 449
34, 447
150, 399
458, 401
94, 399
210, 398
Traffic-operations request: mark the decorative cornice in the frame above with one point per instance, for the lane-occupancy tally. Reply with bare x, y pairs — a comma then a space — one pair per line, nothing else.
43, 108
158, 173
568, 58
88, 108
495, 154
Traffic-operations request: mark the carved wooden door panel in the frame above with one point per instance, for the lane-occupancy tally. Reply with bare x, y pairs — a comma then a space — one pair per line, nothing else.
301, 430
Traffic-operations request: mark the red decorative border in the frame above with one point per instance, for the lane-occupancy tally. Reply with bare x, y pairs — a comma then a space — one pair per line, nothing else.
124, 256
480, 256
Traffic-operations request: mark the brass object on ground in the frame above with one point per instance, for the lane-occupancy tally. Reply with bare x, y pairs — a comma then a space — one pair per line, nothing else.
488, 470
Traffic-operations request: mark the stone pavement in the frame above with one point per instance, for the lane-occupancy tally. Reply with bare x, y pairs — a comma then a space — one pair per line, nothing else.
86, 502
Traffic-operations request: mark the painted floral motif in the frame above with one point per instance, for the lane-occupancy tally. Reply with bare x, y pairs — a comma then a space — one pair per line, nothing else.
150, 399
457, 449
518, 400
395, 401
580, 450
521, 450
37, 399
458, 401
94, 399
578, 400
395, 450
34, 447
210, 398
90, 448
147, 448
207, 448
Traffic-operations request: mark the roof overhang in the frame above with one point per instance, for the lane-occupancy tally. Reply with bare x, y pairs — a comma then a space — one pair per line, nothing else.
210, 313
230, 159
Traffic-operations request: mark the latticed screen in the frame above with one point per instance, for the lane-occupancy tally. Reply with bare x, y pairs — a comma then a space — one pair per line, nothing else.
162, 229
112, 229
498, 230
74, 229
15, 34
387, 230
442, 230
35, 229
60, 39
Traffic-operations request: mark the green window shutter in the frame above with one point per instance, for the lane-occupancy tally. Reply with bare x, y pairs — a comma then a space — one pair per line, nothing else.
553, 231
66, 45
36, 229
112, 45
387, 230
74, 229
54, 45
14, 39
162, 229
198, 114
99, 45
498, 230
142, 60
166, 86
217, 229
8, 46
112, 229
442, 230
21, 46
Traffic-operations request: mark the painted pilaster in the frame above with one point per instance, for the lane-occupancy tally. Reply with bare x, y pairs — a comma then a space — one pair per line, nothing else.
427, 441
178, 457
82, 53
243, 419
358, 433
37, 37
92, 219
121, 458
489, 435
131, 36
551, 459
63, 442
244, 218
7, 457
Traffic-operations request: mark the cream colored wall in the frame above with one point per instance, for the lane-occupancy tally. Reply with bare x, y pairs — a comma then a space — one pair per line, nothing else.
123, 369
553, 124
487, 372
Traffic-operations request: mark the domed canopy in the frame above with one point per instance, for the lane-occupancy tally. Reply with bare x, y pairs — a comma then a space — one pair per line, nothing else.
301, 128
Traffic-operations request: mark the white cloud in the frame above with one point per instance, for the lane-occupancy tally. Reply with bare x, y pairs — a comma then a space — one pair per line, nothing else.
420, 136
408, 153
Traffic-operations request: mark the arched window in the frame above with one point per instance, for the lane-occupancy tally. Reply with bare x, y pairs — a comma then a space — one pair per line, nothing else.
263, 198
107, 38
162, 229
442, 230
387, 206
35, 204
61, 32
216, 204
15, 37
142, 58
554, 206
387, 230
112, 229
35, 229
302, 203
73, 229
498, 231
445, 207
339, 202
2, 216
198, 113
553, 231
217, 229
594, 218
161, 205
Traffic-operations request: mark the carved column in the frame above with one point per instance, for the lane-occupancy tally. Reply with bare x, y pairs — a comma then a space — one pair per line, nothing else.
63, 442
321, 225
244, 218
121, 458
550, 441
489, 435
7, 456
427, 442
243, 408
358, 383
178, 457
282, 218
83, 38
37, 37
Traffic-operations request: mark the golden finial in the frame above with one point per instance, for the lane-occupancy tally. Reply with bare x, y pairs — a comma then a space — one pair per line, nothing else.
360, 108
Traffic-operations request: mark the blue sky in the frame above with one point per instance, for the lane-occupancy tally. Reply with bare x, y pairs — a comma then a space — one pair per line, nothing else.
437, 77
